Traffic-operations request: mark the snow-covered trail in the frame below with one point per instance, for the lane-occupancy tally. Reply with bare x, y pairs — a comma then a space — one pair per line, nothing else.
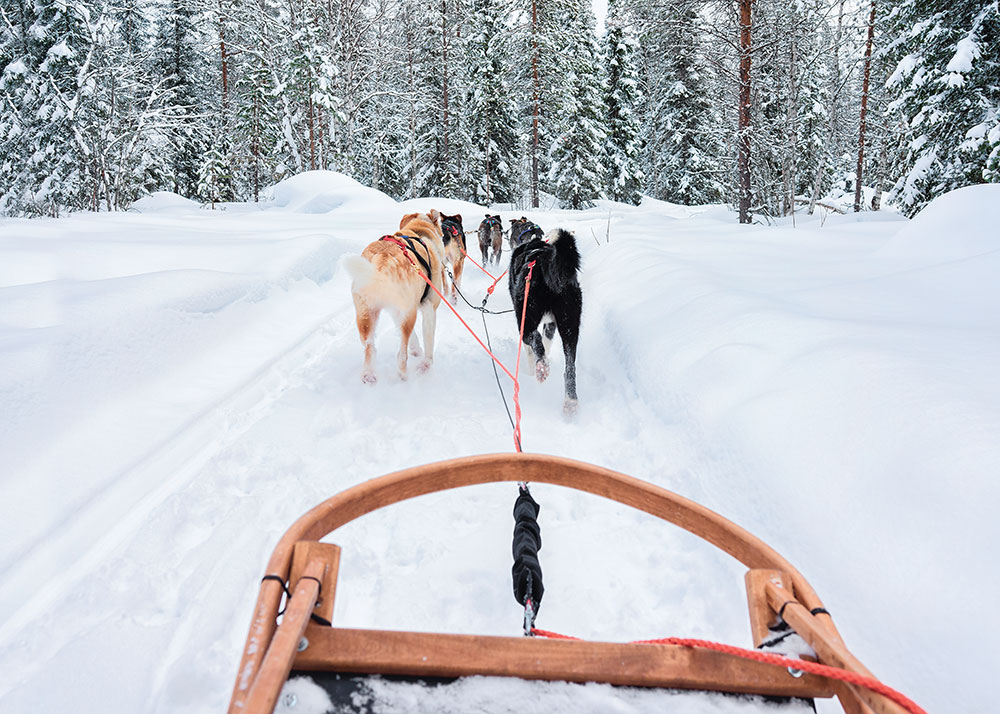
748, 370
179, 537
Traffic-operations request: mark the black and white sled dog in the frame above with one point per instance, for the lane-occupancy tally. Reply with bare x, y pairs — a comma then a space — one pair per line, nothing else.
555, 302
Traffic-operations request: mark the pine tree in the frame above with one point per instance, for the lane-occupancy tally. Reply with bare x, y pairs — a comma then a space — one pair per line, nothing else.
489, 105
438, 134
684, 131
178, 65
623, 173
947, 89
20, 53
576, 174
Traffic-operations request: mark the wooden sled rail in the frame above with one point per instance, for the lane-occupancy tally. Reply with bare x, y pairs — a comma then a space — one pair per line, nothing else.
311, 571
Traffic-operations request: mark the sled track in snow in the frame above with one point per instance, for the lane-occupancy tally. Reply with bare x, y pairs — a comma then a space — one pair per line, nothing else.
139, 488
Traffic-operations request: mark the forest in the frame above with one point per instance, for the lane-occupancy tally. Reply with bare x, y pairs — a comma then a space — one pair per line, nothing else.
769, 106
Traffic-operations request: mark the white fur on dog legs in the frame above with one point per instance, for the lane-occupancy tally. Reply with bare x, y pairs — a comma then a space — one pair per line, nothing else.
415, 349
570, 408
428, 323
541, 369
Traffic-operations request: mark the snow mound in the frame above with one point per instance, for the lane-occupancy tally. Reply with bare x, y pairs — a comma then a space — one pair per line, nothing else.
164, 202
960, 224
324, 191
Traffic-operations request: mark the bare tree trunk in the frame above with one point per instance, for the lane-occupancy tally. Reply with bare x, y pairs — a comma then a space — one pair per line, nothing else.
413, 125
743, 138
791, 117
225, 60
255, 148
444, 68
880, 175
817, 189
312, 134
536, 98
864, 110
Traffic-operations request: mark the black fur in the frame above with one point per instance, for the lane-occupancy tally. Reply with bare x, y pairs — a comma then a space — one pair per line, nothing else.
555, 290
522, 230
451, 227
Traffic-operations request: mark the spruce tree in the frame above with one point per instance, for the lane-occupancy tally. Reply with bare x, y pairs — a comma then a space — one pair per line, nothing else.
489, 105
684, 131
576, 172
179, 67
622, 97
947, 89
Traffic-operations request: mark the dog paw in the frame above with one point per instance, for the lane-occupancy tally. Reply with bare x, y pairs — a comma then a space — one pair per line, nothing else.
569, 408
369, 377
541, 370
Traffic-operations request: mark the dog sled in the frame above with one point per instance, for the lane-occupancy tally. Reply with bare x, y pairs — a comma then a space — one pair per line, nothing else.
292, 655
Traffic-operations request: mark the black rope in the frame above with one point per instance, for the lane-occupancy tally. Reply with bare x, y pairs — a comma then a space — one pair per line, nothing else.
496, 374
483, 307
781, 612
288, 596
814, 611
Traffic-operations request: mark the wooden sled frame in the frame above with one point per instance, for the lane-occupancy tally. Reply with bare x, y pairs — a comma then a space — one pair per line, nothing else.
310, 569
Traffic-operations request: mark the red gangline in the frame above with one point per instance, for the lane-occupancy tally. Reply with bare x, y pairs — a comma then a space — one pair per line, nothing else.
527, 286
777, 660
517, 364
489, 290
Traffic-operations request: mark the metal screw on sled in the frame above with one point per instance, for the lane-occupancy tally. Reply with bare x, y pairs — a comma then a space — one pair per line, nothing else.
303, 643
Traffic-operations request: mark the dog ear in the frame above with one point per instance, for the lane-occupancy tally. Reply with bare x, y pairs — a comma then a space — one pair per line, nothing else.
407, 218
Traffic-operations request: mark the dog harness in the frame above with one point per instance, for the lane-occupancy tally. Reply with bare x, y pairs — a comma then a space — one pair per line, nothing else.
450, 226
533, 229
409, 246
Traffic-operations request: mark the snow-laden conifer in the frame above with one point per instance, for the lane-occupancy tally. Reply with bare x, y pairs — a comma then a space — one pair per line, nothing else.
624, 174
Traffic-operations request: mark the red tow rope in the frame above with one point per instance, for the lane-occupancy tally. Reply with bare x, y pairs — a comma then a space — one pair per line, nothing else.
777, 660
489, 290
513, 377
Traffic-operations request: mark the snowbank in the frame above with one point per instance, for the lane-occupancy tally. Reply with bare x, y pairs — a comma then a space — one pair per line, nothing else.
326, 191
164, 202
960, 224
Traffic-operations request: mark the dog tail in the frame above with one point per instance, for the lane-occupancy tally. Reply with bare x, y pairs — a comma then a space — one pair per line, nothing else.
362, 272
566, 259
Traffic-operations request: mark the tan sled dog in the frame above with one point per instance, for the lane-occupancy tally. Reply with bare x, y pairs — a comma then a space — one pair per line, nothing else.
389, 275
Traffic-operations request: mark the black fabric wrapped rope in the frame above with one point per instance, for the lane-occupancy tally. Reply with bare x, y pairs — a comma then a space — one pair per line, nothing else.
527, 571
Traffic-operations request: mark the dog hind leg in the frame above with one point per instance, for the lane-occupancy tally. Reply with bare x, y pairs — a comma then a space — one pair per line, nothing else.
415, 349
569, 333
367, 319
406, 324
428, 323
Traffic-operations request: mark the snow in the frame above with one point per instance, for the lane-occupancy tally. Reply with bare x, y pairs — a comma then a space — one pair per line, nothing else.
511, 696
966, 51
179, 384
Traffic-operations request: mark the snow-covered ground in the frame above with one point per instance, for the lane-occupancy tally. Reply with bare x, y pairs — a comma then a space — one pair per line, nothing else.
178, 385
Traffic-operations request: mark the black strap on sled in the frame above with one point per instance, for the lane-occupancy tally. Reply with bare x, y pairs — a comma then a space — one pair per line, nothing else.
288, 596
527, 571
